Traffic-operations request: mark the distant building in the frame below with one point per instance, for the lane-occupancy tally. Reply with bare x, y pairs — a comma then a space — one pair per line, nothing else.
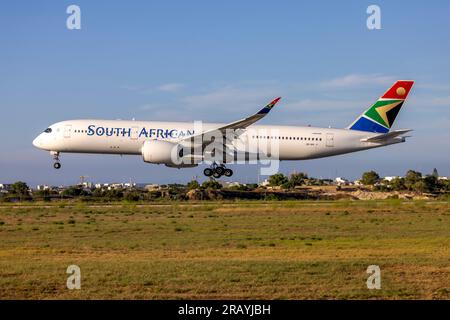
87, 185
265, 183
5, 187
226, 184
341, 181
42, 187
113, 186
152, 187
389, 179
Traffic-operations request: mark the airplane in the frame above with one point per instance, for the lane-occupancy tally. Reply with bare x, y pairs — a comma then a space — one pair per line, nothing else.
183, 144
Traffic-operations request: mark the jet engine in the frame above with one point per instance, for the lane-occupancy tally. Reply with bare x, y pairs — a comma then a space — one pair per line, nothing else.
164, 152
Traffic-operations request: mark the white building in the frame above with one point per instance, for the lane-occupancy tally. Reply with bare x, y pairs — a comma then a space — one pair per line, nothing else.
42, 187
389, 179
152, 187
341, 181
226, 184
357, 183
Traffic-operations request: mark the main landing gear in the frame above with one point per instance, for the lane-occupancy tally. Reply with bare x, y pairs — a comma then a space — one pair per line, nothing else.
217, 171
57, 164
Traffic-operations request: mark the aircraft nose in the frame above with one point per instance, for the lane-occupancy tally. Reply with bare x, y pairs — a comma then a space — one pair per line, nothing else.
36, 142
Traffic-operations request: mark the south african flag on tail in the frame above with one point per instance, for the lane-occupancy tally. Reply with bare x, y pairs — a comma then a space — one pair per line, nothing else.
381, 116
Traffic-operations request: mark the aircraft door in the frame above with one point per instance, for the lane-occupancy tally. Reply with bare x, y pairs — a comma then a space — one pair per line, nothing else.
67, 131
330, 139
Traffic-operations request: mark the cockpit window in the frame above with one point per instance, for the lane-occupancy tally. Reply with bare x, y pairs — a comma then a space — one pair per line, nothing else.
48, 130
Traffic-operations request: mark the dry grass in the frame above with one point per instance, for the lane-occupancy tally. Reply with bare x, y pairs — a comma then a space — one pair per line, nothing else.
247, 250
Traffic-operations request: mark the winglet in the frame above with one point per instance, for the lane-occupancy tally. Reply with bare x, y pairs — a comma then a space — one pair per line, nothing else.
267, 108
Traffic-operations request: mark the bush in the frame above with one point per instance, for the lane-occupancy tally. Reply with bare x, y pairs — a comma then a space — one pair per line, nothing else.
211, 184
297, 179
131, 196
74, 192
193, 185
278, 179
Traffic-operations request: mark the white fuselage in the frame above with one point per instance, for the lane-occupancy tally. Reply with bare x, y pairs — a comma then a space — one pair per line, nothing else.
127, 137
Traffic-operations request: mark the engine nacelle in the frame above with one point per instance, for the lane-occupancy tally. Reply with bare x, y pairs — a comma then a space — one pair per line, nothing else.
162, 152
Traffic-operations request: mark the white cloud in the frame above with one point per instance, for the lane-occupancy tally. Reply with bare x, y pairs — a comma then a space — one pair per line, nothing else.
142, 89
428, 102
170, 87
359, 80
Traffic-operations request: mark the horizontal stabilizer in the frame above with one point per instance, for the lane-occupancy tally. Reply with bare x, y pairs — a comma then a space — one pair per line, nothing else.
386, 136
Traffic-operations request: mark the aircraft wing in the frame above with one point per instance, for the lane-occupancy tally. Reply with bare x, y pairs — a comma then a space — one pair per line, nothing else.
386, 136
237, 126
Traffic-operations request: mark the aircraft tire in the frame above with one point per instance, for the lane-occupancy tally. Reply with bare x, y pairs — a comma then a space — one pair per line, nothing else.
208, 172
219, 170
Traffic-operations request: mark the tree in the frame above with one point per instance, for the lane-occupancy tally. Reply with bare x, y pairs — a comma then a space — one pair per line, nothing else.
74, 191
444, 184
419, 186
397, 184
370, 178
435, 173
44, 194
193, 185
20, 188
412, 178
298, 178
431, 183
278, 179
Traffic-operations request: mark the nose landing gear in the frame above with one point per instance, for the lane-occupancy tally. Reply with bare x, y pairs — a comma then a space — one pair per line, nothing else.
57, 164
217, 171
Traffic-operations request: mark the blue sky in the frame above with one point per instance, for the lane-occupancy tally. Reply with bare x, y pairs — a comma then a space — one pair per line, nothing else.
220, 61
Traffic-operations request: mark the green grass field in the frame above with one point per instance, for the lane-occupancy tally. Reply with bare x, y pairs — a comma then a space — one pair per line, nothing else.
214, 250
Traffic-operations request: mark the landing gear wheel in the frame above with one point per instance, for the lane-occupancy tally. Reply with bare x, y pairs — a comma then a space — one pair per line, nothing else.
208, 172
228, 173
219, 170
57, 165
216, 175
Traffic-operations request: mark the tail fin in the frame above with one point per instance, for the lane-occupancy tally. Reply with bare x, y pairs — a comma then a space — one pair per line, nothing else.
381, 116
